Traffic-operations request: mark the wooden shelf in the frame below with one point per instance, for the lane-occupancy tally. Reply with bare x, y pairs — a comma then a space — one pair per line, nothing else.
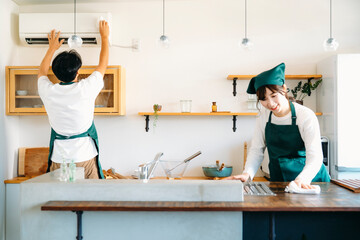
206, 114
27, 96
199, 114
233, 114
288, 77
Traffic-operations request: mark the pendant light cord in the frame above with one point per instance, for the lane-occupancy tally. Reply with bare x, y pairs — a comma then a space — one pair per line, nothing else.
330, 18
74, 17
163, 17
245, 18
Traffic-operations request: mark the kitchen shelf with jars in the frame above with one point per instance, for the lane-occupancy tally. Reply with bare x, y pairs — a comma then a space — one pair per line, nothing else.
186, 111
251, 101
22, 97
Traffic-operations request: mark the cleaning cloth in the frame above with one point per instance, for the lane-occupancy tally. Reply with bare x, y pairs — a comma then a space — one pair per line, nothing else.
294, 188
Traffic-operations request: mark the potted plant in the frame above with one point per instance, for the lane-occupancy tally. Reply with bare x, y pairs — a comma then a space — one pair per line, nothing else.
157, 108
300, 91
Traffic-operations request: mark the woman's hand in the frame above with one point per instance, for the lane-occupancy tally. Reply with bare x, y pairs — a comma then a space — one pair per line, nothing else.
301, 184
243, 177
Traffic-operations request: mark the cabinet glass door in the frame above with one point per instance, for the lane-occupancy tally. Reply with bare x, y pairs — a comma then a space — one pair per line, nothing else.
24, 92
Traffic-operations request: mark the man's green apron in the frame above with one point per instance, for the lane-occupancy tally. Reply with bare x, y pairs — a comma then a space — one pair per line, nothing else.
91, 132
287, 152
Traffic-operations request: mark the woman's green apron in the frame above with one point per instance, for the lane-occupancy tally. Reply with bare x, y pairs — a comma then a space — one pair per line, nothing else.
91, 132
287, 152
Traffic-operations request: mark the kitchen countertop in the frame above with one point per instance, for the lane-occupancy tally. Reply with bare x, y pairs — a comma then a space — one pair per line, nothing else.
332, 199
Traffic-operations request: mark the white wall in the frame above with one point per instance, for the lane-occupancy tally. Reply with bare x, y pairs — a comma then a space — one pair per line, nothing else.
9, 140
203, 52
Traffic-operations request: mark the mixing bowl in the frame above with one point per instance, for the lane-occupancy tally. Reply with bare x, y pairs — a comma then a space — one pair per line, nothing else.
213, 171
174, 169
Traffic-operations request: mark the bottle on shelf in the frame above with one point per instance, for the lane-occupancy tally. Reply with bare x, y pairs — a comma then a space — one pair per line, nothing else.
214, 107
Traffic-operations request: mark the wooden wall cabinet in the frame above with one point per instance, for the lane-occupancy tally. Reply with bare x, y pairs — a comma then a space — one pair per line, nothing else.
22, 97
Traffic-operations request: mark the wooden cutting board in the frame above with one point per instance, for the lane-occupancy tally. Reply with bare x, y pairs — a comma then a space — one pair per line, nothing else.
32, 161
352, 184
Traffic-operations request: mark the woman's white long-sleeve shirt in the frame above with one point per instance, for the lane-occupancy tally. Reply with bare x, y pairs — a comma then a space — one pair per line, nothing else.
310, 133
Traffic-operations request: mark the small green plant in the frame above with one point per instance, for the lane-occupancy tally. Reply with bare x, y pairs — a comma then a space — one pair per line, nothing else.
157, 108
300, 91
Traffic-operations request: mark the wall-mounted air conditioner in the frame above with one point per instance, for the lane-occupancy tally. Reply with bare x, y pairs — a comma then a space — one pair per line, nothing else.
34, 27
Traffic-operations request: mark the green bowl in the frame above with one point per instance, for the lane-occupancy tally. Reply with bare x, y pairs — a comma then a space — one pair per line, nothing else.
212, 171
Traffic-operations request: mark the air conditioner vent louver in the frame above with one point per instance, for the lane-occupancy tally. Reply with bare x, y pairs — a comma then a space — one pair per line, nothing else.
90, 41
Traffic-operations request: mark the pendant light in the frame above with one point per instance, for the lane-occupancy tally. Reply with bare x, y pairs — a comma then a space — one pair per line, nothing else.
74, 40
245, 43
164, 40
330, 44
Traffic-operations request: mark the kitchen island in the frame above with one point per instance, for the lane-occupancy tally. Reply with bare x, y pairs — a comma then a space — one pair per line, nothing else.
332, 214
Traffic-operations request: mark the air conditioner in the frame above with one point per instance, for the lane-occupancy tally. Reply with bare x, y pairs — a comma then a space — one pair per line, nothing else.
34, 27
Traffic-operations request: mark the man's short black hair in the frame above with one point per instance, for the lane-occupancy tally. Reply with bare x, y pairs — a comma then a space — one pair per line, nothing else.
66, 65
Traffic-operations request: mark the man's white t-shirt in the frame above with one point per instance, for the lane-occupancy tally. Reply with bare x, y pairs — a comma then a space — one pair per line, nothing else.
70, 109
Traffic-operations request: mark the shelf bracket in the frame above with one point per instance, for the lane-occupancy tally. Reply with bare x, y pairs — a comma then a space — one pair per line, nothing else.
234, 123
146, 123
234, 86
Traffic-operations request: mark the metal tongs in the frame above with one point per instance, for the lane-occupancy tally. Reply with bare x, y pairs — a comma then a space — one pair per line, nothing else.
185, 161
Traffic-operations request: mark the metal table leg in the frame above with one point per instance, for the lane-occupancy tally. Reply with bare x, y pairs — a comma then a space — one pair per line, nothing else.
272, 234
79, 225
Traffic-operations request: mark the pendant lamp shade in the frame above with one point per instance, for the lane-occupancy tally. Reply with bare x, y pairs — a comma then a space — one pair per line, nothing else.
164, 40
245, 43
330, 44
74, 40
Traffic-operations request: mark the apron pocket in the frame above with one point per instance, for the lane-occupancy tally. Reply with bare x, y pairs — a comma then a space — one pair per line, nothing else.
291, 167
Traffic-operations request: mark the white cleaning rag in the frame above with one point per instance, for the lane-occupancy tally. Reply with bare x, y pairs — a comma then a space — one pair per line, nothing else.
294, 188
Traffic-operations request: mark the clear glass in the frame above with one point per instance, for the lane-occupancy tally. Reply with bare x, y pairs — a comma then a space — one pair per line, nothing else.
75, 41
174, 169
26, 94
63, 172
185, 106
252, 105
251, 96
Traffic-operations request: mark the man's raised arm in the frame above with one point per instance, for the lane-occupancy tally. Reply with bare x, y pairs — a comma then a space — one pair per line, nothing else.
54, 45
104, 53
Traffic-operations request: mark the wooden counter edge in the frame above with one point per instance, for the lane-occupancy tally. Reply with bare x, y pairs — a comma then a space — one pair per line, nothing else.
16, 180
106, 206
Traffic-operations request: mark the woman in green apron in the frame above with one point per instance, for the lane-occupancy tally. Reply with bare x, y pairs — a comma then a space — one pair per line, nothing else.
288, 130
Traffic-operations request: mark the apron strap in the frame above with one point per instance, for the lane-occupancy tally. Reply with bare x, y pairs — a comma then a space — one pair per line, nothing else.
62, 137
293, 114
